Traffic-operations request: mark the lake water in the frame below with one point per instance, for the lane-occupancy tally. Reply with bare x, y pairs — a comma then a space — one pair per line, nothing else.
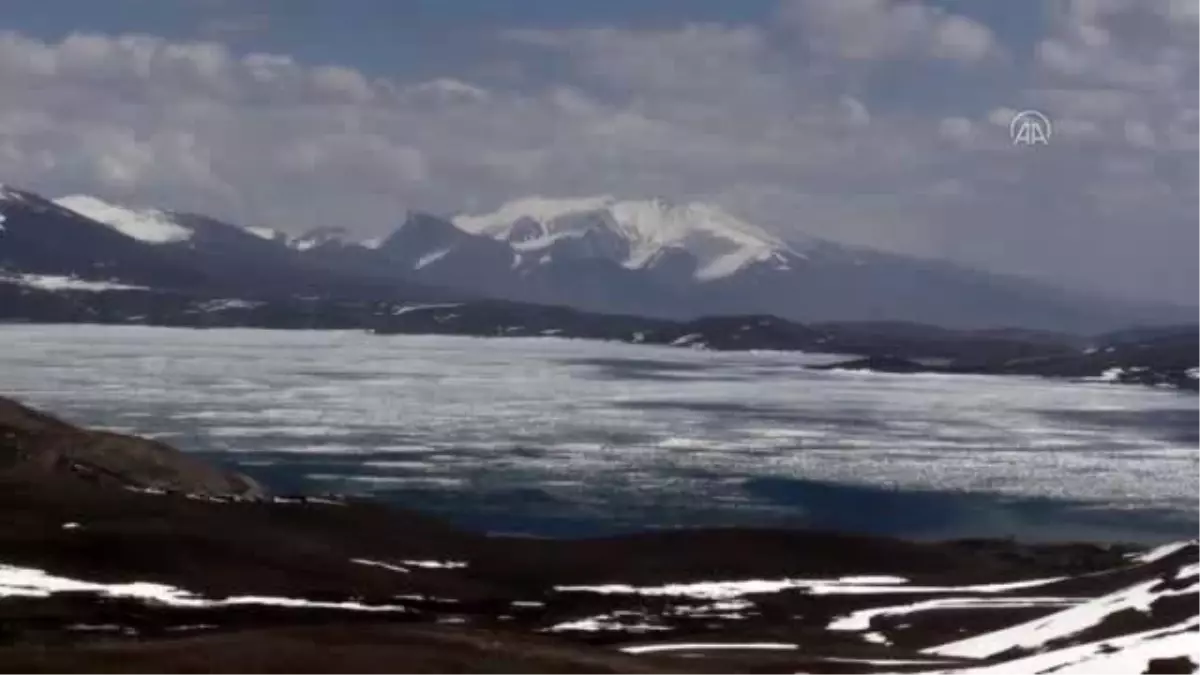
574, 438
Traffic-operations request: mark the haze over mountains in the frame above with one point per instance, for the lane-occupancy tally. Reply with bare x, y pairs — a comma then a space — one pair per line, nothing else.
651, 257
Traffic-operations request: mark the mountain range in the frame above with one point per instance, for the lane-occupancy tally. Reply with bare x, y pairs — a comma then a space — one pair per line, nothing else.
651, 258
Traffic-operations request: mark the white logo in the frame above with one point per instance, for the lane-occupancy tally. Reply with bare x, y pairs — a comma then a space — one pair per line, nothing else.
1030, 127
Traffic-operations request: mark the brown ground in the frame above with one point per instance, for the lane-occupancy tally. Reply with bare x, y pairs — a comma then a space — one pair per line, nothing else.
198, 538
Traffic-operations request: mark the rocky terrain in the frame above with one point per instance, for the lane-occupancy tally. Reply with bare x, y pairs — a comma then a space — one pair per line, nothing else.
125, 555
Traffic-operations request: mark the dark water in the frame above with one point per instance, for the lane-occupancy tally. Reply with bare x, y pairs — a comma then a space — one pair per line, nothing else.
771, 502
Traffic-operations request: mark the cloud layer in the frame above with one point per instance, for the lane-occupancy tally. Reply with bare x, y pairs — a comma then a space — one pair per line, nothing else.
868, 121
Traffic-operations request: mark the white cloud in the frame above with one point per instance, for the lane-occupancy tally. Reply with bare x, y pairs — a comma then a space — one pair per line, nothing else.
855, 111
1139, 134
958, 129
961, 39
1128, 43
867, 30
341, 84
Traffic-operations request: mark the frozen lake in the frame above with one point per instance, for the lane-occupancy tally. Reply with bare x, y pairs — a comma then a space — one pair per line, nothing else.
564, 437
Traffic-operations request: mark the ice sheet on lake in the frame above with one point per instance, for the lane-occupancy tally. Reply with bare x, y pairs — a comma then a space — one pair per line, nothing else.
524, 413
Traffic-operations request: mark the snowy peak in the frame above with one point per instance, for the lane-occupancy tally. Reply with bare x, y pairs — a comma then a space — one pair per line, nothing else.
148, 225
328, 236
267, 233
542, 210
8, 194
721, 243
636, 233
156, 226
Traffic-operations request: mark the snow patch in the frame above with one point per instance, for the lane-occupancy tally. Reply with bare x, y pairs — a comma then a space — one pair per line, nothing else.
148, 225
1110, 375
1124, 654
53, 282
1166, 550
430, 258
228, 303
689, 340
27, 582
330, 235
1066, 623
607, 622
376, 563
397, 311
717, 590
146, 490
861, 620
876, 638
722, 609
265, 233
884, 662
435, 564
721, 244
710, 646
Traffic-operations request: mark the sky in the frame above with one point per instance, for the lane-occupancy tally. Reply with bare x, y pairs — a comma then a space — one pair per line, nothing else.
881, 123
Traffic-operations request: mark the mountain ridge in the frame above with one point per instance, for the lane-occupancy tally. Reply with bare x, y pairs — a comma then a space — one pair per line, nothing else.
600, 254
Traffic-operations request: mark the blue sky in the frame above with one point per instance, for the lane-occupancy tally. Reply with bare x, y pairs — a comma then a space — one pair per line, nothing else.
871, 122
378, 36
412, 37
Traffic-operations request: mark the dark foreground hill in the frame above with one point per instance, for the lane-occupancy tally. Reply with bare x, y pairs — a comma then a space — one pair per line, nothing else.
150, 568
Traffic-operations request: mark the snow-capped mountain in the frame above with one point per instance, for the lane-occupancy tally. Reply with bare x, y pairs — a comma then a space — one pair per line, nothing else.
650, 258
156, 226
659, 258
83, 242
41, 240
640, 234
